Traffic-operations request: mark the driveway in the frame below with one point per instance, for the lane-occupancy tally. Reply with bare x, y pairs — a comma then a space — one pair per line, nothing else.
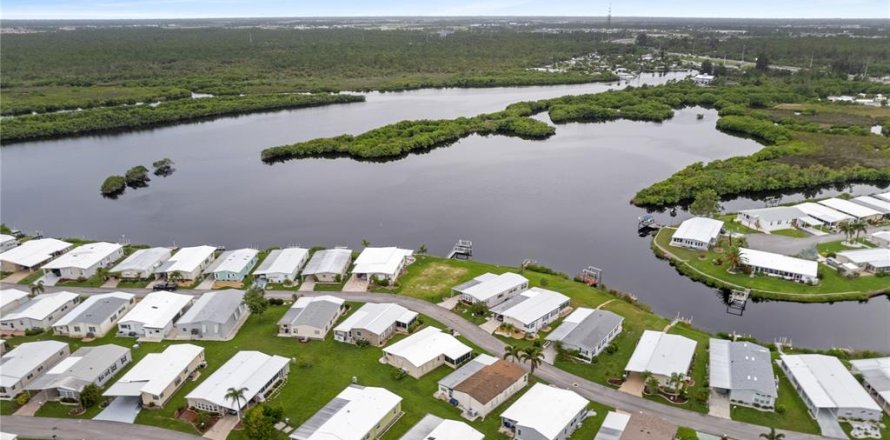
634, 385
15, 277
207, 284
30, 408
355, 284
450, 303
78, 429
719, 405
221, 429
123, 409
491, 325
307, 286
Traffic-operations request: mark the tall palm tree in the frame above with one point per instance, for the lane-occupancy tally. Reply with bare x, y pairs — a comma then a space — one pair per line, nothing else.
512, 352
37, 288
772, 435
236, 395
847, 229
735, 258
103, 273
174, 277
534, 356
858, 227
677, 380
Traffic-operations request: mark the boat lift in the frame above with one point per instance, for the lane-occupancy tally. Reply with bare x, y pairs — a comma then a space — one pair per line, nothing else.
462, 250
738, 300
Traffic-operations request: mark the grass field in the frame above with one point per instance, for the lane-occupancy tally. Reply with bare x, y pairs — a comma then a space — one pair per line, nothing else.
832, 285
797, 233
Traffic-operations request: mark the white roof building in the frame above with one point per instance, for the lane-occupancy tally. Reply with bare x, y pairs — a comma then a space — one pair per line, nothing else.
143, 262
188, 259
613, 426
486, 286
376, 318
234, 261
426, 345
32, 253
41, 306
880, 238
252, 370
285, 263
386, 261
874, 259
883, 206
85, 256
884, 196
156, 371
532, 305
11, 298
826, 385
92, 309
780, 265
24, 359
546, 409
876, 375
157, 309
328, 261
352, 415
697, 232
850, 208
823, 213
662, 354
437, 428
7, 242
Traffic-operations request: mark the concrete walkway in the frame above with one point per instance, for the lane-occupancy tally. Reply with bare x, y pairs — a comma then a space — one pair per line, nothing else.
111, 283
221, 429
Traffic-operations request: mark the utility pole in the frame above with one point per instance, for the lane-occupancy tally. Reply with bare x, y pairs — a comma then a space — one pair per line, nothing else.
609, 17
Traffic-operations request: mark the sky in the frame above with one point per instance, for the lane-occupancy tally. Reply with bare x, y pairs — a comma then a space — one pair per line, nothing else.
136, 9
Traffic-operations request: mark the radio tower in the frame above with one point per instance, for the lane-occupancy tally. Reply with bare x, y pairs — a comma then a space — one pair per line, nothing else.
609, 17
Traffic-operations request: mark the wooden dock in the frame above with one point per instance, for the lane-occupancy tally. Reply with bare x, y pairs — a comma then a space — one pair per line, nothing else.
462, 250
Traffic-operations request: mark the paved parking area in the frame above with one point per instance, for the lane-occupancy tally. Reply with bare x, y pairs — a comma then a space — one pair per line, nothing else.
450, 303
355, 284
122, 409
633, 385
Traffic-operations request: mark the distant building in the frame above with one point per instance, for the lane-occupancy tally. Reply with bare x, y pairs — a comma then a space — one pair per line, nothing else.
282, 265
481, 385
311, 317
32, 253
662, 355
88, 365
436, 428
83, 261
531, 310
703, 79
770, 219
7, 242
95, 316
426, 350
11, 299
743, 372
875, 203
154, 315
375, 323
383, 264
876, 378
188, 262
216, 315
874, 260
780, 266
233, 265
328, 266
40, 312
880, 238
255, 372
858, 211
828, 216
141, 265
26, 363
828, 389
697, 233
545, 412
491, 289
157, 377
357, 413
587, 331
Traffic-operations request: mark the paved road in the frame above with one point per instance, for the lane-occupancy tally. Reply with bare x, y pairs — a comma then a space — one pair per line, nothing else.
73, 429
784, 245
491, 344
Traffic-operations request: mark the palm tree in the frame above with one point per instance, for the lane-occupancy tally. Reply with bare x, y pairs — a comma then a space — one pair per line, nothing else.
848, 230
102, 273
735, 258
37, 288
676, 381
512, 352
772, 435
858, 227
365, 243
422, 250
534, 356
174, 277
236, 395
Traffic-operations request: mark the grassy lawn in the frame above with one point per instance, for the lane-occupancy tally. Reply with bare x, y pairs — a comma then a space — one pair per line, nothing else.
431, 278
7, 407
31, 278
796, 416
329, 287
56, 409
834, 247
831, 282
797, 233
133, 284
731, 225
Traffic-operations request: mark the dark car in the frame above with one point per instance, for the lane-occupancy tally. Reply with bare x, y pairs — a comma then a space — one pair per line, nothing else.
166, 286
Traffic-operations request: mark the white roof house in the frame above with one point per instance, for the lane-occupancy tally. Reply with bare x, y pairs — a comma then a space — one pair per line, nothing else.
437, 428
781, 265
156, 371
850, 208
157, 309
235, 261
85, 256
252, 370
744, 370
827, 384
143, 262
387, 261
884, 196
823, 213
328, 261
11, 298
96, 308
873, 259
34, 252
187, 259
876, 375
41, 306
883, 206
85, 366
487, 286
352, 415
426, 345
613, 426
697, 232
283, 263
7, 242
531, 306
24, 359
662, 354
376, 318
546, 409
880, 238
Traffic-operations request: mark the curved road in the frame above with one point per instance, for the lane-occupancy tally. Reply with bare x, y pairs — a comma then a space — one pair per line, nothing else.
37, 427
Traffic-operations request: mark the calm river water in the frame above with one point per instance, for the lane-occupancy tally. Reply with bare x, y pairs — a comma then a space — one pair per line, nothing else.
562, 202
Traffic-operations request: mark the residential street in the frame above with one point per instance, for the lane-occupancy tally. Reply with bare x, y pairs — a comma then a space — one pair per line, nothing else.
73, 429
